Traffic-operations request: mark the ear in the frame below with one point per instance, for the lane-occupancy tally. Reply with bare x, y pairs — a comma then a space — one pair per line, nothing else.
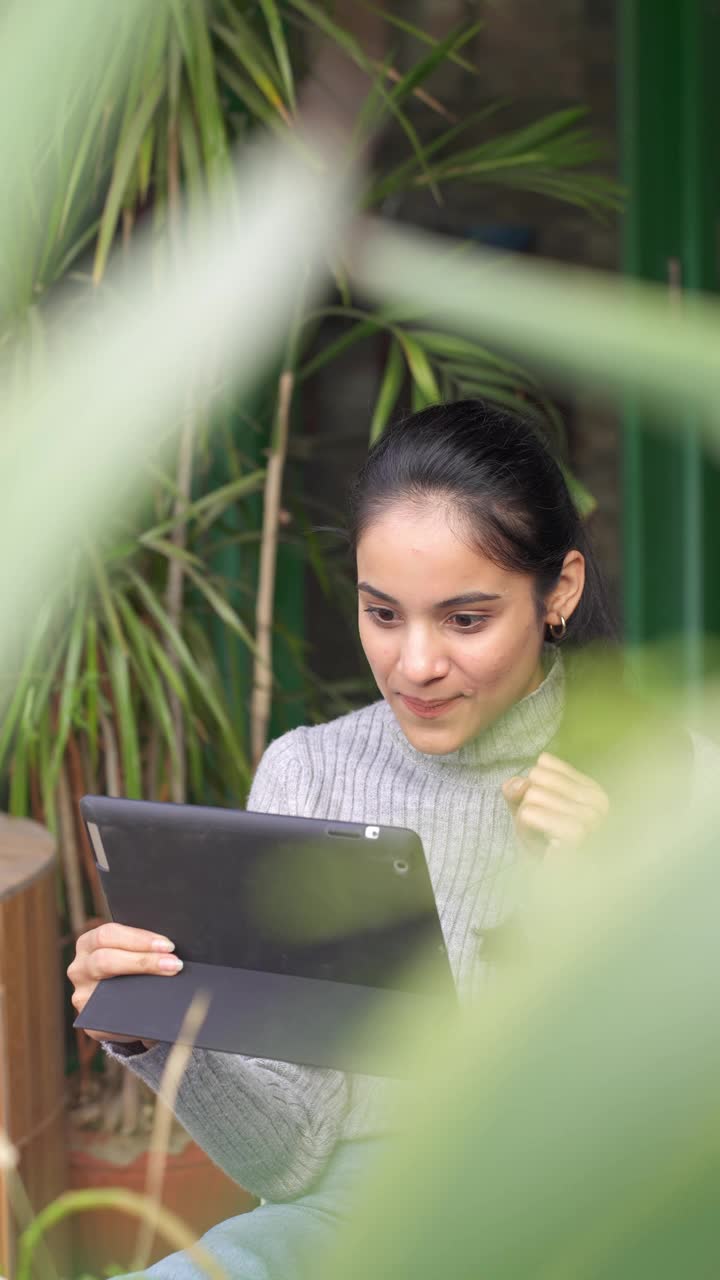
565, 595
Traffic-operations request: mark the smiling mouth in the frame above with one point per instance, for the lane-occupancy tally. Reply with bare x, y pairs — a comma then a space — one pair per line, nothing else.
422, 708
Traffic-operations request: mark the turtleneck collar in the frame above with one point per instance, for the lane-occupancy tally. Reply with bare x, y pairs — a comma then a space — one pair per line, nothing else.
520, 734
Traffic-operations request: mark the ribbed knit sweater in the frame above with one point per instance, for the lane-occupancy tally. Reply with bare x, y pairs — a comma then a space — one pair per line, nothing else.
273, 1126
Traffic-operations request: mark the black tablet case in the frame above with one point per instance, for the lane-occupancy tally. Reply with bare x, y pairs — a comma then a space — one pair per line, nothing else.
301, 931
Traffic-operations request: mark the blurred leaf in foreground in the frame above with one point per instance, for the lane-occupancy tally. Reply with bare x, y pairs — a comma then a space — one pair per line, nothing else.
568, 1130
115, 384
595, 330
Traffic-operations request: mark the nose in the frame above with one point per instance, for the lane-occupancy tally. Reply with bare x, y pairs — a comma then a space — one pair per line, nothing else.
422, 657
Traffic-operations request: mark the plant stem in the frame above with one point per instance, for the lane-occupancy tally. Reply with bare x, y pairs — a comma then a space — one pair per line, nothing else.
263, 671
122, 1201
176, 574
174, 599
163, 1119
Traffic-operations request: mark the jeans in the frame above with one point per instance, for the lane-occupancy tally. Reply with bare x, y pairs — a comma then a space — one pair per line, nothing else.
281, 1241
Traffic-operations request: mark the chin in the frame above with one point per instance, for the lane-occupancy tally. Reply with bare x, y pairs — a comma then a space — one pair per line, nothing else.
438, 743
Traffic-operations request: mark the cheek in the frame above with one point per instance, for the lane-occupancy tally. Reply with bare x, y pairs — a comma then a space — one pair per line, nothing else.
500, 656
378, 645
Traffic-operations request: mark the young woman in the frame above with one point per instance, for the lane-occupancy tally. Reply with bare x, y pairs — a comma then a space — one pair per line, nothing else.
474, 576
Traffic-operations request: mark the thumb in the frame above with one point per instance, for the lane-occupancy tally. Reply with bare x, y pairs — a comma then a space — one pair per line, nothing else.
514, 790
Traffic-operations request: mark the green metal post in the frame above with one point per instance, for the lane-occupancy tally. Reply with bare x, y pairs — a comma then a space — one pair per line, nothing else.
669, 122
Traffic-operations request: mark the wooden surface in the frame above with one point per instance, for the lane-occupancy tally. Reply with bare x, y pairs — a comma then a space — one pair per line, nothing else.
31, 1025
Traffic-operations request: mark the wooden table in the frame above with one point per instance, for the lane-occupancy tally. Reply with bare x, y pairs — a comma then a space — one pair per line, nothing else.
32, 1111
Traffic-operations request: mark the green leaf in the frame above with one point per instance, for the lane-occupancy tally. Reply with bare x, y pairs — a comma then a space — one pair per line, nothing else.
211, 505
417, 33
420, 371
69, 688
125, 161
205, 690
279, 43
439, 54
99, 574
250, 97
169, 672
402, 175
170, 550
455, 347
190, 152
617, 336
19, 789
145, 159
365, 328
222, 608
178, 9
390, 386
92, 689
346, 41
46, 784
127, 727
584, 501
156, 704
205, 96
244, 46
22, 684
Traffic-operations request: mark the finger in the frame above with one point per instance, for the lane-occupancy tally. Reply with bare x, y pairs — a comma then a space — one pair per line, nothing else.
514, 790
105, 962
553, 825
541, 797
121, 937
561, 766
560, 784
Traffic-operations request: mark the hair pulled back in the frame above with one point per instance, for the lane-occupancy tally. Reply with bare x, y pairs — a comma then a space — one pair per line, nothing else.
501, 482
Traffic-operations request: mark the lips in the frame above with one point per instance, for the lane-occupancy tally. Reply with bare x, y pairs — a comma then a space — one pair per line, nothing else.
427, 710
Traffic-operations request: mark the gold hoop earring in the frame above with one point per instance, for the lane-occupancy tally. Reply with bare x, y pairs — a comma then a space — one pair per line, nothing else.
558, 630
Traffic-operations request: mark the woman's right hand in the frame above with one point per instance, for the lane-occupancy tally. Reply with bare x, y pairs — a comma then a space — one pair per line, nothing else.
112, 950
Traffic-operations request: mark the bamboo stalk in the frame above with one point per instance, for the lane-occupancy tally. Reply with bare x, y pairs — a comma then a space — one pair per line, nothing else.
263, 669
163, 1119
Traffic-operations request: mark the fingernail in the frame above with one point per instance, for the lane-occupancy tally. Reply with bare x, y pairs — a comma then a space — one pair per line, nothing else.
170, 964
162, 944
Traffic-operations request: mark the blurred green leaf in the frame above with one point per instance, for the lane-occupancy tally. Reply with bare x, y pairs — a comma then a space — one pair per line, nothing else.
420, 370
390, 387
126, 159
275, 27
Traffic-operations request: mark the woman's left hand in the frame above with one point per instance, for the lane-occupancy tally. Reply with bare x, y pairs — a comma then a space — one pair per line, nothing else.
555, 807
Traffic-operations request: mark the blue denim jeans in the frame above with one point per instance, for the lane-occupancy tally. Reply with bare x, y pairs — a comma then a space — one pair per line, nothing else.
281, 1241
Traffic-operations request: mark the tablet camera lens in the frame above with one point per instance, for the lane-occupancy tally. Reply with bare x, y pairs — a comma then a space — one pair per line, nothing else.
400, 867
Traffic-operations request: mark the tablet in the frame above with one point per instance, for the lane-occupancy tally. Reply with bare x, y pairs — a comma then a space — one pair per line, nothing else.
301, 931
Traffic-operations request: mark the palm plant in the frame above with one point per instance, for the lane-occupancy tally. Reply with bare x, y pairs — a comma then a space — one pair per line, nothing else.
122, 688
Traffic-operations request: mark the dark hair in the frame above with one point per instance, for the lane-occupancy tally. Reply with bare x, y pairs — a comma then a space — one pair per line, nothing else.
501, 480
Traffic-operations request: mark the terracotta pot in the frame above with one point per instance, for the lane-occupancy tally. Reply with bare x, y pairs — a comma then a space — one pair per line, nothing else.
195, 1189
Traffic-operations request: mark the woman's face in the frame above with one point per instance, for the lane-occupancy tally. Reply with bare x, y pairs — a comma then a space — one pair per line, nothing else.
452, 639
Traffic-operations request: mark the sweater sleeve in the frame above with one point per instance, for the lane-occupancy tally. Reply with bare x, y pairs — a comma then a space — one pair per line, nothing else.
270, 1125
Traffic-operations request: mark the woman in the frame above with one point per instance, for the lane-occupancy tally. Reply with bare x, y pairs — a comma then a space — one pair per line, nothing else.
472, 567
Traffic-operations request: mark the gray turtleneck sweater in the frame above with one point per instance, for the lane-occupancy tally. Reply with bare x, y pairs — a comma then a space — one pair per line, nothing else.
273, 1126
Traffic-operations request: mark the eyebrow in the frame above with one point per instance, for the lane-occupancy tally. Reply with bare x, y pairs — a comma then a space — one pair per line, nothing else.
470, 597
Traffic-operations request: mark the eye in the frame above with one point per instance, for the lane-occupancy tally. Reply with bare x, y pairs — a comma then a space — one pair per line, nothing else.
382, 615
469, 621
